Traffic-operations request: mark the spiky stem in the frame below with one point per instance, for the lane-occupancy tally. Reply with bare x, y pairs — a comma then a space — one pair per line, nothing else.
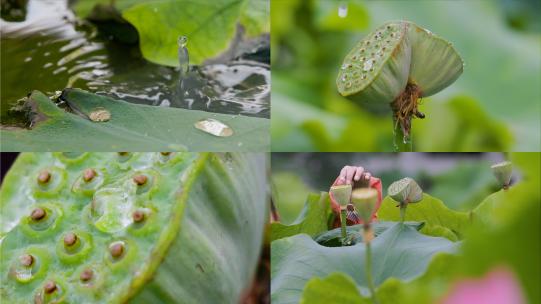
343, 217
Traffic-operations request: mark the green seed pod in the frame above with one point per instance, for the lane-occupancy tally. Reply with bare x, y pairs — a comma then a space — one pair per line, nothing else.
396, 65
341, 194
405, 191
131, 228
503, 171
365, 200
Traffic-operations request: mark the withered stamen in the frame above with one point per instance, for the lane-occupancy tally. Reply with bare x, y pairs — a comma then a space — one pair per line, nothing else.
37, 214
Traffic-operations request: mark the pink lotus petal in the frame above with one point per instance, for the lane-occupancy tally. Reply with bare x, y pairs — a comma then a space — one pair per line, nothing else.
497, 287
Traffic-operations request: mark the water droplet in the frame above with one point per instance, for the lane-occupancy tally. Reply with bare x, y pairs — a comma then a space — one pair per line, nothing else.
111, 207
99, 115
368, 65
214, 127
343, 11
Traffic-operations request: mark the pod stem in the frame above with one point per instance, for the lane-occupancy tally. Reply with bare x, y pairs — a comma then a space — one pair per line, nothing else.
343, 217
403, 206
368, 265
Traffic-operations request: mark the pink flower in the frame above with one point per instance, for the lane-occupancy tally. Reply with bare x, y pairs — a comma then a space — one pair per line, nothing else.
497, 287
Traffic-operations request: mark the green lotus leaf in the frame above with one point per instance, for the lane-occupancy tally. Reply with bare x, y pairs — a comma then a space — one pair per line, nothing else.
400, 252
131, 127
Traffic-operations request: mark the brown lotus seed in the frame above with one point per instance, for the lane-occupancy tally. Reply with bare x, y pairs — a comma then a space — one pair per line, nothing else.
70, 239
37, 214
49, 287
122, 153
86, 275
140, 179
44, 177
89, 174
116, 250
26, 260
138, 216
165, 153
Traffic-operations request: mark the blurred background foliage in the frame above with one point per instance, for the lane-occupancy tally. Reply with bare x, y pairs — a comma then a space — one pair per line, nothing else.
493, 106
507, 237
462, 181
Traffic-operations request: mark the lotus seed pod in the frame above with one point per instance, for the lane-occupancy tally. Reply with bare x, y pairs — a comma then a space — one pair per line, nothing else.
133, 227
396, 65
503, 171
365, 201
405, 191
341, 194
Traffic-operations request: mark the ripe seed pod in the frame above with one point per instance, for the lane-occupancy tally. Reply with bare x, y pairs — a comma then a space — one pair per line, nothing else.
365, 200
414, 63
341, 194
405, 191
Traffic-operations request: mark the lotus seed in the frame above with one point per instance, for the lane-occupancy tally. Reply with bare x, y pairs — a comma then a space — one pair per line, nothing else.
44, 177
88, 175
37, 214
49, 287
26, 260
70, 239
116, 249
123, 153
165, 153
86, 275
140, 179
138, 216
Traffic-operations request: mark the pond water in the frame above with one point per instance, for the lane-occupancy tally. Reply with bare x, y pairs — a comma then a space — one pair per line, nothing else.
52, 49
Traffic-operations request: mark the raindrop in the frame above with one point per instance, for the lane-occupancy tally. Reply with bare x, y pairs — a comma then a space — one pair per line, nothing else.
214, 127
368, 65
343, 10
99, 115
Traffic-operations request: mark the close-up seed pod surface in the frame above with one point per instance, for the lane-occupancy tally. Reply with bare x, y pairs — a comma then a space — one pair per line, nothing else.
131, 227
396, 65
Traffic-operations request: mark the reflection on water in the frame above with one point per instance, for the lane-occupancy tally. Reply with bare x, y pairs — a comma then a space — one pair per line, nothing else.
52, 50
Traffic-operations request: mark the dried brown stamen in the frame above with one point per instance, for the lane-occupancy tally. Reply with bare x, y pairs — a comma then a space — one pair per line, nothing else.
405, 106
37, 214
89, 174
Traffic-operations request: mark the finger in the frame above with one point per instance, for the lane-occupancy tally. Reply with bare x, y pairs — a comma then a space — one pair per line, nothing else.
349, 174
367, 176
358, 173
342, 176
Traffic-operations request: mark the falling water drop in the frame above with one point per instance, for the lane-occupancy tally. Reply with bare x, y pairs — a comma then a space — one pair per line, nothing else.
183, 57
214, 127
343, 10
